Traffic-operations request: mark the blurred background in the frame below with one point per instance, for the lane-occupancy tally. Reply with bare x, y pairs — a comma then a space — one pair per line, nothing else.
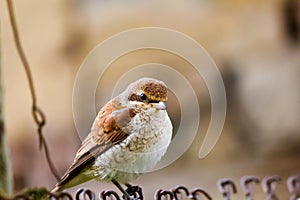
255, 44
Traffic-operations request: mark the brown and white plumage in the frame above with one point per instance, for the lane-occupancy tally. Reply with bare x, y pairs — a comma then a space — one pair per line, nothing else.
129, 136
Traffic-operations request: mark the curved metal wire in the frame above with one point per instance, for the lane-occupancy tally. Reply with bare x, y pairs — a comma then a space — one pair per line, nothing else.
85, 194
226, 186
269, 185
247, 185
109, 195
293, 184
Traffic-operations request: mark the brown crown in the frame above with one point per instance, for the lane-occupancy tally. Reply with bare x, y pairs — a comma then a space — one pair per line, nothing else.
155, 91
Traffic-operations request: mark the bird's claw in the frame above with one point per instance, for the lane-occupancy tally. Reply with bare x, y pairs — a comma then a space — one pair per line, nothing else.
134, 192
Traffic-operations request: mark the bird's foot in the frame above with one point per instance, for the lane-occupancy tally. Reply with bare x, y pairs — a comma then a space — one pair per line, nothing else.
135, 192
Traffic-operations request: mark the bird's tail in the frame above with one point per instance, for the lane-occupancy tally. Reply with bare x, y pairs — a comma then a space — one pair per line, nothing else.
68, 181
56, 189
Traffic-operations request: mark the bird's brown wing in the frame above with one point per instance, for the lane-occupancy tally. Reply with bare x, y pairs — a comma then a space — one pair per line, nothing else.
107, 130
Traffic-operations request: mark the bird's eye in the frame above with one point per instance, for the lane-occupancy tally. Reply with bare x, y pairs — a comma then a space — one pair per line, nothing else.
143, 97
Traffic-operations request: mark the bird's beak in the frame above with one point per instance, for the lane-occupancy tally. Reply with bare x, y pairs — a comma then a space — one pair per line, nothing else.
161, 105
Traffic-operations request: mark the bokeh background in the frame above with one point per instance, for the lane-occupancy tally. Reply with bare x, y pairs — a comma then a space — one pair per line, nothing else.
255, 44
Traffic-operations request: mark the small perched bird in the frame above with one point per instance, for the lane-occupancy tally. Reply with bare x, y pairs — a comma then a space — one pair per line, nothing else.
129, 136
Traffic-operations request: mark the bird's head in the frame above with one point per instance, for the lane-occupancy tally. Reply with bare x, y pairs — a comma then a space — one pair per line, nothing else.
146, 93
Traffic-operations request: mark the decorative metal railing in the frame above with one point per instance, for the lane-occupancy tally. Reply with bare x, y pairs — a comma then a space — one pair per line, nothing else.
226, 186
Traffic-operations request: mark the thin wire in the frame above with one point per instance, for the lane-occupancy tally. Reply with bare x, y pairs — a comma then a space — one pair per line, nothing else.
37, 113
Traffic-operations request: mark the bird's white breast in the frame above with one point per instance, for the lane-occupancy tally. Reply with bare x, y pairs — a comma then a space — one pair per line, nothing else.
150, 134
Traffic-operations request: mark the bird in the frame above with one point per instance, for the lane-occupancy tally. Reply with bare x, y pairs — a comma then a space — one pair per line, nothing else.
130, 135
